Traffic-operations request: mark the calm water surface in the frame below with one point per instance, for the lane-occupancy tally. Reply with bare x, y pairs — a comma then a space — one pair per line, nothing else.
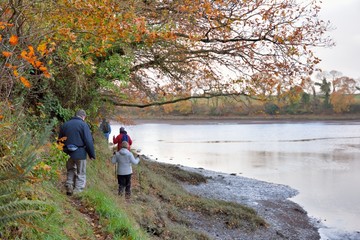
319, 159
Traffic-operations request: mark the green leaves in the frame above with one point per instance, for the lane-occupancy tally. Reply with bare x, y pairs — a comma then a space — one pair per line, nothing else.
116, 67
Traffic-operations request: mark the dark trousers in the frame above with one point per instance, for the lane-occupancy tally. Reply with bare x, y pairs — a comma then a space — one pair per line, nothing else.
124, 182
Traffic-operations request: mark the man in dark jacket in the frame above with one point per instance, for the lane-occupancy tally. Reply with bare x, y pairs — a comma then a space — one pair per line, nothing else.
78, 142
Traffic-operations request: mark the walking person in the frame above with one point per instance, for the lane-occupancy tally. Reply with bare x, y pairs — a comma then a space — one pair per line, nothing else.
123, 136
78, 142
124, 160
105, 128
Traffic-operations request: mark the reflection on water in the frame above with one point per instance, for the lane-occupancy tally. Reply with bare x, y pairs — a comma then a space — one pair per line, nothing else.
320, 159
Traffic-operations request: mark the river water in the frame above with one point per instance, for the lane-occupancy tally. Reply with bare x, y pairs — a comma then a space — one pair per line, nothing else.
319, 159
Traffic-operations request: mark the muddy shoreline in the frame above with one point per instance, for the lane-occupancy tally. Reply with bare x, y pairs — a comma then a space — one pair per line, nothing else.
286, 219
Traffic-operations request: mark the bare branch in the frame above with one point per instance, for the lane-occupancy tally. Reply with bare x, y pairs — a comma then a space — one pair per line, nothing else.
117, 102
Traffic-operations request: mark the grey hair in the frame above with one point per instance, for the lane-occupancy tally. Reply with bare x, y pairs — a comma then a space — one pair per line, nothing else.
81, 113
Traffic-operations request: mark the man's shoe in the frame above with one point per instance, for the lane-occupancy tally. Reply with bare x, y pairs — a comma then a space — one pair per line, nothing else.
69, 190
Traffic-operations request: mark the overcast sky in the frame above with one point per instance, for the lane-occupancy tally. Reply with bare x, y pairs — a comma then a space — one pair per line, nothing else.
345, 56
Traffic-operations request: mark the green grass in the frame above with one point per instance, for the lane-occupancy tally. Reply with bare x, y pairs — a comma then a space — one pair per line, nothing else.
63, 222
114, 219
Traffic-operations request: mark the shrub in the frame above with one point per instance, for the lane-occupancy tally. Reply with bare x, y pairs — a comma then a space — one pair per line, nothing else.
271, 108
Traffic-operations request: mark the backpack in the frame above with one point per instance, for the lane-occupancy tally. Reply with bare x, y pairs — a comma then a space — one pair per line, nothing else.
106, 127
124, 137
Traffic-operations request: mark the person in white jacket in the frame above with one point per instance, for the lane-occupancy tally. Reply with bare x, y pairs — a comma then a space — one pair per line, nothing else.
124, 159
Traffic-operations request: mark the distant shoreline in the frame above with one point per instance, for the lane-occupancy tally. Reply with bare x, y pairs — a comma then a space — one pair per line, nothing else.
243, 120
305, 117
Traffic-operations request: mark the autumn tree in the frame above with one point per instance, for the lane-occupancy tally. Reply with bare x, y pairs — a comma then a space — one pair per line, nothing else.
263, 85
334, 76
22, 55
59, 50
343, 97
139, 51
217, 46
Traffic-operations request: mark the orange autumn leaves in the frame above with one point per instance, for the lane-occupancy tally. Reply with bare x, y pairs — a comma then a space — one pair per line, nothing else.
28, 55
14, 40
6, 54
31, 57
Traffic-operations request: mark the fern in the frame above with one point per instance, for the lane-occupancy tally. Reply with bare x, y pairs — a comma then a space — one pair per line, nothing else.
5, 163
22, 209
20, 151
21, 215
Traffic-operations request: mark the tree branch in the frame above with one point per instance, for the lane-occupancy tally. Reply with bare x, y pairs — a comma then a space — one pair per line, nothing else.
116, 102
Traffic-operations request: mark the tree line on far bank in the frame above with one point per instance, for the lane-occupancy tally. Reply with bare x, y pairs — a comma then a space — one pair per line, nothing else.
331, 94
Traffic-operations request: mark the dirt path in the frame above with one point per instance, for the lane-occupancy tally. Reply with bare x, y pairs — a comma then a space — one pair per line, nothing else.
91, 217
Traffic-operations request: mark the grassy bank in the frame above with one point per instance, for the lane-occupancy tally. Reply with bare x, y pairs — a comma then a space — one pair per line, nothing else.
159, 204
159, 207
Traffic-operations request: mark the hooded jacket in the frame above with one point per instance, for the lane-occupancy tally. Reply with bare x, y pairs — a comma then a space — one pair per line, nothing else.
77, 132
124, 158
117, 140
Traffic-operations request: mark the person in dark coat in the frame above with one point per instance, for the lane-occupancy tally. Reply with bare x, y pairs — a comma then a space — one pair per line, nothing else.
105, 128
78, 142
